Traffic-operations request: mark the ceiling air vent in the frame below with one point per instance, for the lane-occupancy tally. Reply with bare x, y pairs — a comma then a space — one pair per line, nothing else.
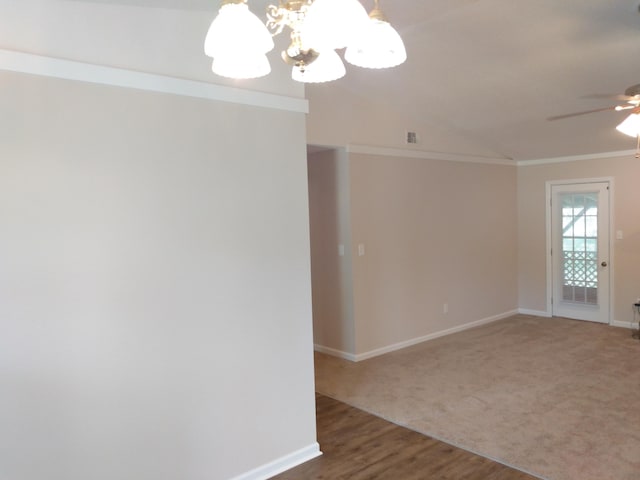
412, 137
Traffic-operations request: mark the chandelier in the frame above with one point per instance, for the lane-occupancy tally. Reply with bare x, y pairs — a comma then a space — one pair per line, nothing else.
238, 41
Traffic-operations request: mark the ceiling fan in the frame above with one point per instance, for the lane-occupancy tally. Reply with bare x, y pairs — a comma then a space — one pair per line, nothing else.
631, 97
631, 125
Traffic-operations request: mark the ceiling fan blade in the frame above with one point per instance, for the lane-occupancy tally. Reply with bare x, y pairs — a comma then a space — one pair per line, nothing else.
610, 96
577, 114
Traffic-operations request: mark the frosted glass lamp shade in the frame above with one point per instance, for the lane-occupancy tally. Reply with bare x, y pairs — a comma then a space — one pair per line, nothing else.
333, 24
631, 125
326, 68
237, 30
241, 67
379, 46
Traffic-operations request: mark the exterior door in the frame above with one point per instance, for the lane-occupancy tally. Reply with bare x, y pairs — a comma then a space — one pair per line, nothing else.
580, 251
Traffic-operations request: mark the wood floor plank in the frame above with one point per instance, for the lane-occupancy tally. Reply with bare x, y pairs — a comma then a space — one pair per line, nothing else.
361, 446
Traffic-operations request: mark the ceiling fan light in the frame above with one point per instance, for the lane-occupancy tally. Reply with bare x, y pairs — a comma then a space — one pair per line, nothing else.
326, 67
631, 125
241, 67
236, 29
379, 46
333, 24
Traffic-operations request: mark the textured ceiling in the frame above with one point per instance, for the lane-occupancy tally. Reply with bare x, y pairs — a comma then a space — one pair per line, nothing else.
492, 71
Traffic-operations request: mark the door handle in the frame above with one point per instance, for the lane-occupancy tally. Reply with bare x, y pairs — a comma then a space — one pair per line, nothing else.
604, 264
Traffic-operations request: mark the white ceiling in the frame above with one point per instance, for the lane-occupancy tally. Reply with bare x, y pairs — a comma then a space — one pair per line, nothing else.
493, 70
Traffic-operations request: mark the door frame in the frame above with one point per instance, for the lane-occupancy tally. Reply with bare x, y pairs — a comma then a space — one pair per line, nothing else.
549, 243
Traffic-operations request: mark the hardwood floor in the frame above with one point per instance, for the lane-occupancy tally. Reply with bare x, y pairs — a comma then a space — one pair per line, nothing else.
359, 446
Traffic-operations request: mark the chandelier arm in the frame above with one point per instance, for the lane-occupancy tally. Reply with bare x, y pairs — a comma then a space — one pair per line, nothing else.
276, 19
376, 13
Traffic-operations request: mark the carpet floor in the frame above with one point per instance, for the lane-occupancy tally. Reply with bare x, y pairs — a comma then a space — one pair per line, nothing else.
553, 397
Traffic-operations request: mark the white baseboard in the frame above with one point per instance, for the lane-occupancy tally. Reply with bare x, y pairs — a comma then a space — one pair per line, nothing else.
614, 323
413, 341
282, 464
334, 353
536, 313
630, 325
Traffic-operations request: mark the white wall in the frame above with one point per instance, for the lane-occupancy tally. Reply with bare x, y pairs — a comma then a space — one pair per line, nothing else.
150, 39
155, 311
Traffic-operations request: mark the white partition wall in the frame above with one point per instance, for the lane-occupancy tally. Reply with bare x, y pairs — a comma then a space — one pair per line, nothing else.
155, 305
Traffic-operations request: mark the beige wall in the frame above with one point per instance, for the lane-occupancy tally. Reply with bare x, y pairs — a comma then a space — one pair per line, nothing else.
155, 298
469, 235
626, 217
332, 279
434, 233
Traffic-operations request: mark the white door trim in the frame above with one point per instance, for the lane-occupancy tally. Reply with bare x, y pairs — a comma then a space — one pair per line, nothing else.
549, 241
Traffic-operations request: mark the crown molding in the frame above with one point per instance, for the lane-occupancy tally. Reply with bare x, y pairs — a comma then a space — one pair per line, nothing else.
426, 155
577, 158
461, 157
84, 72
